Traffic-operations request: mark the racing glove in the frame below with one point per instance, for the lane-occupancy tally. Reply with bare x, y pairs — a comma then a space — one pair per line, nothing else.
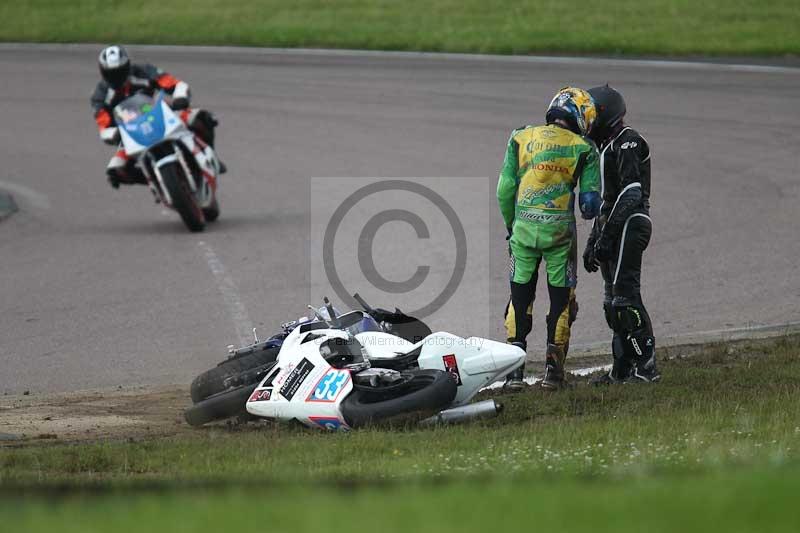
110, 135
604, 248
590, 262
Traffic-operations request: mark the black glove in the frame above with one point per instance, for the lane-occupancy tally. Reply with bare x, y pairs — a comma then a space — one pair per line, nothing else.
508, 238
180, 103
590, 262
604, 248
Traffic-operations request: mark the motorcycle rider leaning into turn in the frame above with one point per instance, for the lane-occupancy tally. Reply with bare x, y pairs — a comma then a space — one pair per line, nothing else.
542, 167
121, 79
620, 235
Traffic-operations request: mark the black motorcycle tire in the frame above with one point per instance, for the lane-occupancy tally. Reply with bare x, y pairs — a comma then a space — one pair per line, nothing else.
212, 381
212, 211
427, 390
183, 200
220, 406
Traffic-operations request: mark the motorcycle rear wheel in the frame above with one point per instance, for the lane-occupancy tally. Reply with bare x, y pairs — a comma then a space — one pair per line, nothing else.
183, 200
425, 390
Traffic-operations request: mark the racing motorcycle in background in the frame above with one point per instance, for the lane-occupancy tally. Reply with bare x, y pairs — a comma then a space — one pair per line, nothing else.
346, 371
180, 168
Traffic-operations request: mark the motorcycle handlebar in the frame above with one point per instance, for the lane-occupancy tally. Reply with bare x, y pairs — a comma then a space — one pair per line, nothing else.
363, 304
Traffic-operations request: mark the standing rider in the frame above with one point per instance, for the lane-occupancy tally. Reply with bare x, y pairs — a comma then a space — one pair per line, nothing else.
619, 237
542, 166
122, 79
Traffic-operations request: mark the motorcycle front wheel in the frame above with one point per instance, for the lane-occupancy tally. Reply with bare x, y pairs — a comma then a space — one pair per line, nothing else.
422, 390
220, 406
213, 381
183, 200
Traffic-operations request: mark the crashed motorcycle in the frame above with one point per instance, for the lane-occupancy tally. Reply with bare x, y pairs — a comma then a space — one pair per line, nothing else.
345, 371
181, 169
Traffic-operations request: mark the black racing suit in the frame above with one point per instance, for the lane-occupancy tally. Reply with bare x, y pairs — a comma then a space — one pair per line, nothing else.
148, 79
623, 228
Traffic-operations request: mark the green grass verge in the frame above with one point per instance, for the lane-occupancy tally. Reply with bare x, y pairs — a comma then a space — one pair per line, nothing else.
711, 412
650, 27
742, 501
714, 447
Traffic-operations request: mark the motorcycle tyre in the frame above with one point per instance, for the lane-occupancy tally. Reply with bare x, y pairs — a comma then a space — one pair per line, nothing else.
183, 200
212, 381
438, 390
220, 406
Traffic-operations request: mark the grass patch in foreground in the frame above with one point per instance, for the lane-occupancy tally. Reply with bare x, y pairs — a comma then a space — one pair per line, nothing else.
741, 501
711, 412
673, 27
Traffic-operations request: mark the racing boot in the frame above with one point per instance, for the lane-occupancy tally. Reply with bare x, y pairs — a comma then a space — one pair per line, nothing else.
644, 364
515, 380
554, 378
621, 369
122, 175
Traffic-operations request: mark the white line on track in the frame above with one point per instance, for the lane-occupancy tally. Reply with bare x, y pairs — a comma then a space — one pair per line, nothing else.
533, 380
35, 198
323, 52
230, 294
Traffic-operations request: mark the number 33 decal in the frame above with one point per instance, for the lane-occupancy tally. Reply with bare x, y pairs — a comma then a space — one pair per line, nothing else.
329, 387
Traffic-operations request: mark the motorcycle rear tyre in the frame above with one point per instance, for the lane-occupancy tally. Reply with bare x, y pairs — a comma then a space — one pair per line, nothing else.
436, 390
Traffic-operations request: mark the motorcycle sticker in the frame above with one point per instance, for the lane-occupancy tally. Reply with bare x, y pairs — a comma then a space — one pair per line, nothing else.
262, 395
329, 422
451, 367
329, 386
295, 378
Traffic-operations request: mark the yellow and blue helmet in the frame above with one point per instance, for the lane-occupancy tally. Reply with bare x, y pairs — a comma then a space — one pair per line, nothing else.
575, 107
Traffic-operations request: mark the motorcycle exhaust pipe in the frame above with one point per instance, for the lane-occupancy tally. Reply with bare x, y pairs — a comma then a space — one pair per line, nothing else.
465, 413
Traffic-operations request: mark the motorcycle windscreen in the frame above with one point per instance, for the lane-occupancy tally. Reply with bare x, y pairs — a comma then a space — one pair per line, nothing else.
142, 119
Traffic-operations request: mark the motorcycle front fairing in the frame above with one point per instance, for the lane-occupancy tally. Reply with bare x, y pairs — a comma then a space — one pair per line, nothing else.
144, 122
303, 386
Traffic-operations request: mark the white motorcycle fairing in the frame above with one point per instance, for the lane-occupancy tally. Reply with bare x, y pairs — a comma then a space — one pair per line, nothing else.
303, 385
474, 362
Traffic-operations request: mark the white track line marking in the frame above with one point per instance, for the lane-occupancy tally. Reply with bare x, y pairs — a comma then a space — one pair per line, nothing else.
532, 380
35, 198
230, 293
546, 60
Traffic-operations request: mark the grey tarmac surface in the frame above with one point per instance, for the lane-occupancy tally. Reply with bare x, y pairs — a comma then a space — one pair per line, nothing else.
100, 288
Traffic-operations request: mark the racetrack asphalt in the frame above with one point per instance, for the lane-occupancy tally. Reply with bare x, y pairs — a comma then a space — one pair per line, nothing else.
100, 288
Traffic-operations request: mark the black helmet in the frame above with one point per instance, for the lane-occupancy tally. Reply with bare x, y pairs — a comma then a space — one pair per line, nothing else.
610, 111
115, 65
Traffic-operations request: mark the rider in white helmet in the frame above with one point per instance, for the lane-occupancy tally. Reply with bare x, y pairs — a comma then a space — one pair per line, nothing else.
121, 79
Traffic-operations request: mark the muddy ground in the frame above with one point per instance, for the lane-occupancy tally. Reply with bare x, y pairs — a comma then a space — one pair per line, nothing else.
122, 413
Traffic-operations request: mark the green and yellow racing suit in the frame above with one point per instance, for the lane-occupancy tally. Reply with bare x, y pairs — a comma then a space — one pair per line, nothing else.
542, 167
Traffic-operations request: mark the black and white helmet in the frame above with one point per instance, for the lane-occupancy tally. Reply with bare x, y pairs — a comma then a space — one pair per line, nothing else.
115, 65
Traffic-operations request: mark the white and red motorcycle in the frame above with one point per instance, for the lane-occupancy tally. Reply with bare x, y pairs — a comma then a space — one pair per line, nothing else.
341, 372
181, 169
